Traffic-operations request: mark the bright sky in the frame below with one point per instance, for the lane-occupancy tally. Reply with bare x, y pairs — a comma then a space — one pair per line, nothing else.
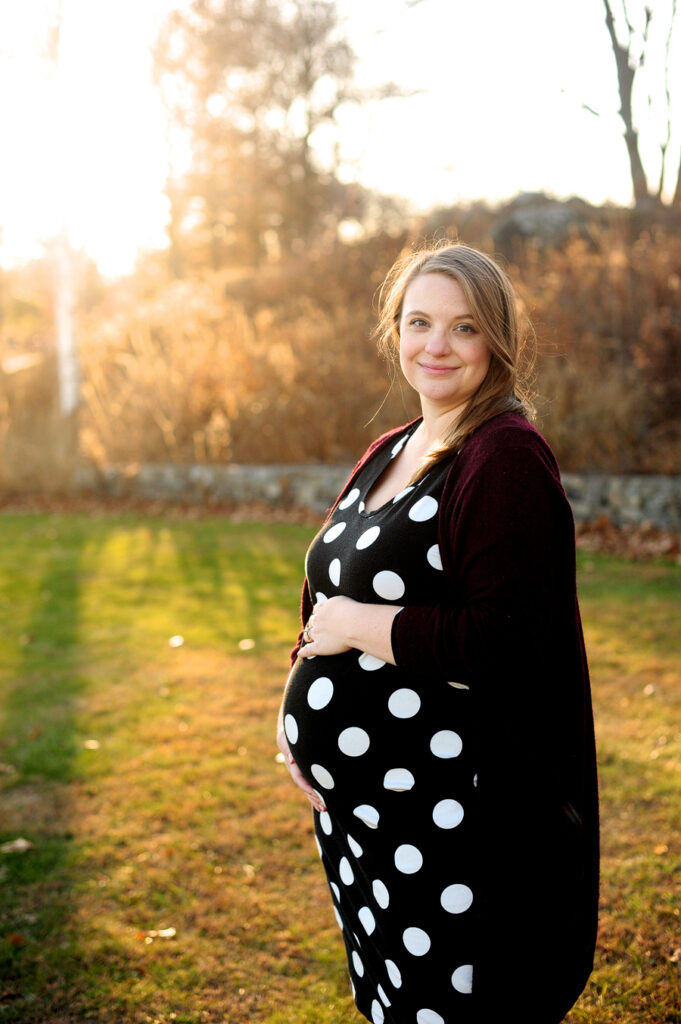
498, 111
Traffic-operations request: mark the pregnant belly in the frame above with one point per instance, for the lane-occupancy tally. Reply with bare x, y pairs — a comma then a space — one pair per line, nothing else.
353, 722
329, 714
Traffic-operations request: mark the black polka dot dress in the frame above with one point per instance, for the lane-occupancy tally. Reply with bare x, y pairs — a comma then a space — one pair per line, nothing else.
393, 756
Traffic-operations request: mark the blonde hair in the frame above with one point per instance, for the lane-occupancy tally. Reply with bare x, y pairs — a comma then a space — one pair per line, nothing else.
494, 305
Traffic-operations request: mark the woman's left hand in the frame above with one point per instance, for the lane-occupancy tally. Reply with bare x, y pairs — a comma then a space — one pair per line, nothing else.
327, 628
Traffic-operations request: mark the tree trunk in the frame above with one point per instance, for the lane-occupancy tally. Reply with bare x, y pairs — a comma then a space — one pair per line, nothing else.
68, 369
676, 201
625, 81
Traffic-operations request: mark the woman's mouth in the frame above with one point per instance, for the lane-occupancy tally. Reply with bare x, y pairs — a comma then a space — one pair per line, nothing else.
437, 371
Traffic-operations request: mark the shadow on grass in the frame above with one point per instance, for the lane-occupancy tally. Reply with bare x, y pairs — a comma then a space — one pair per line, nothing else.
38, 745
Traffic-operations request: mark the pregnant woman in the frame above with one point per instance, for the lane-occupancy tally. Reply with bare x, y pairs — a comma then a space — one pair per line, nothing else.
438, 713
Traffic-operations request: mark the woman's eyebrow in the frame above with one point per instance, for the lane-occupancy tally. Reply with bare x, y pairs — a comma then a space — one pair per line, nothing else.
420, 312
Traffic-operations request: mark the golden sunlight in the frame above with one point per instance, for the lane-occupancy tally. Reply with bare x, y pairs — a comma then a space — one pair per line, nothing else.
496, 99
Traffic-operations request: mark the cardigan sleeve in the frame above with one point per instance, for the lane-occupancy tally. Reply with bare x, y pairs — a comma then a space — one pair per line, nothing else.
507, 546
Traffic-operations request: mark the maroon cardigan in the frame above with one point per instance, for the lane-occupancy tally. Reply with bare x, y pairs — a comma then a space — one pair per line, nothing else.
511, 632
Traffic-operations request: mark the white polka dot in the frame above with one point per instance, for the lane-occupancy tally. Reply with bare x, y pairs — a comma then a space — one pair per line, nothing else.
338, 918
367, 538
369, 663
335, 890
291, 729
320, 693
319, 846
462, 979
458, 686
345, 871
377, 1015
354, 742
393, 973
325, 822
402, 494
368, 814
361, 506
425, 508
350, 498
416, 941
388, 585
434, 557
354, 846
357, 963
382, 996
334, 532
456, 898
381, 894
324, 778
400, 444
335, 571
399, 780
429, 1017
320, 598
475, 780
408, 859
404, 703
446, 744
448, 814
367, 918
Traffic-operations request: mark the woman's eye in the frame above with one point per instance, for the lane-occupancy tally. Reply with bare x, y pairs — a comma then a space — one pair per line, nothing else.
418, 321
466, 328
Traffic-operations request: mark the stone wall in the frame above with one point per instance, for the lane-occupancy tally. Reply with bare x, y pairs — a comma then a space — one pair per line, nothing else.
623, 499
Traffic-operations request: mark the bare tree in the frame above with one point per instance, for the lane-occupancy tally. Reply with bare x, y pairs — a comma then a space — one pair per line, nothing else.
631, 54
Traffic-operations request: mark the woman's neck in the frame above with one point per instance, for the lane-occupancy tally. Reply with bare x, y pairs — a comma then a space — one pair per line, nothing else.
434, 426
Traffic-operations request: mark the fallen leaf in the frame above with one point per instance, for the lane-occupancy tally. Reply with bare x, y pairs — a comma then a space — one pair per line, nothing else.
15, 939
16, 846
661, 849
675, 958
157, 933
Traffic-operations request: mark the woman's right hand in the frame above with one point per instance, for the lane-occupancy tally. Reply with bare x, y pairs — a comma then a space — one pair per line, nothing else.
296, 774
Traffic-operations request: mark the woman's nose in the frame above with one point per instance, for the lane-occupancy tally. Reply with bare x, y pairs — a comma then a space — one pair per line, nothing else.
437, 343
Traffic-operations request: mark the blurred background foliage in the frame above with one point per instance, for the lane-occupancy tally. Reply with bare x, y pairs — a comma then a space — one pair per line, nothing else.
248, 338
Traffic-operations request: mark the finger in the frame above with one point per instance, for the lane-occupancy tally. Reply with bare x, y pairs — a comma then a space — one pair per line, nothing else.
316, 803
307, 789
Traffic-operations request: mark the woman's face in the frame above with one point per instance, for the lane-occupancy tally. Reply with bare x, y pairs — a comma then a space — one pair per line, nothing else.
443, 355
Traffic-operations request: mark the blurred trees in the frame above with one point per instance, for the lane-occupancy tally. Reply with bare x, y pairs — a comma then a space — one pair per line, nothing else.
256, 84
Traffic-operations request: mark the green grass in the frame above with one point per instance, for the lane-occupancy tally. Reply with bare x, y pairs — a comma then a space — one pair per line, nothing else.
145, 778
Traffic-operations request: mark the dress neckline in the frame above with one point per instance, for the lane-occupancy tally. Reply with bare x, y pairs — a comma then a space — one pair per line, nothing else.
382, 466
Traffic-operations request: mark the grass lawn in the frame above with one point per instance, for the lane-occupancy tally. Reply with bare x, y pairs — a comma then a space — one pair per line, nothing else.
172, 875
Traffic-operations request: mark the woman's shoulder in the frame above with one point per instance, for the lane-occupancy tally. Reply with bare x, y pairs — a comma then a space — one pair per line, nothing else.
504, 449
506, 432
